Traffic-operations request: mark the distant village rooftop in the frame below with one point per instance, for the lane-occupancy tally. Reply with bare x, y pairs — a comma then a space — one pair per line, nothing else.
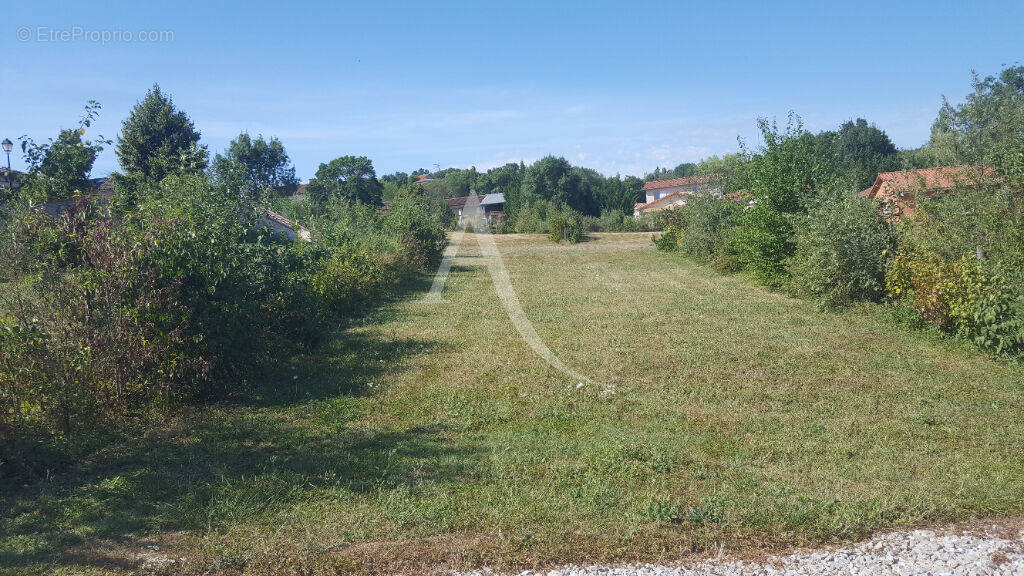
897, 190
689, 181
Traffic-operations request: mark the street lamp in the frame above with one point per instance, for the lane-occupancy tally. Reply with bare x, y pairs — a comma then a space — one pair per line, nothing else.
7, 144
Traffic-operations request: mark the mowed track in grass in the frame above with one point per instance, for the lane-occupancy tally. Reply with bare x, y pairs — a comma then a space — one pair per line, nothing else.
432, 437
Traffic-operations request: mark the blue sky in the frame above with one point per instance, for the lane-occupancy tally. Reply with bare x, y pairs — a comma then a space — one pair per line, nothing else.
619, 87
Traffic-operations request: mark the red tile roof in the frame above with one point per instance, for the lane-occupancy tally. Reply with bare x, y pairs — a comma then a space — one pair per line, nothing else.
739, 196
928, 179
688, 181
460, 202
662, 200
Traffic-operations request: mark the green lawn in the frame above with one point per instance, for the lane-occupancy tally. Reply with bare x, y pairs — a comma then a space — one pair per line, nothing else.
431, 436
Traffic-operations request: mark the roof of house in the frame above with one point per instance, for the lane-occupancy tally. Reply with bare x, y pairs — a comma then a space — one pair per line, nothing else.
688, 181
739, 196
299, 230
280, 219
461, 201
663, 200
928, 179
492, 199
301, 190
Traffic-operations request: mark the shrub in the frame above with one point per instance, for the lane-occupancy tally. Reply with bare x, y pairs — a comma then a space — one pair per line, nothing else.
668, 241
708, 221
841, 248
118, 314
765, 243
419, 229
961, 297
566, 225
532, 218
618, 221
182, 295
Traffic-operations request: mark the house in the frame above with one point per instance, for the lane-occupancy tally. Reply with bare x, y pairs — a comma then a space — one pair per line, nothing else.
666, 194
101, 189
490, 206
896, 191
10, 179
278, 224
458, 205
493, 206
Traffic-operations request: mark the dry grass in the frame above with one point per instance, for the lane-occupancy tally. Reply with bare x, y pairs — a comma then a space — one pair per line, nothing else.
432, 437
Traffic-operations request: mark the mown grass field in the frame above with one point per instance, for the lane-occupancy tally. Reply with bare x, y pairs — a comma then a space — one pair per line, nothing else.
432, 437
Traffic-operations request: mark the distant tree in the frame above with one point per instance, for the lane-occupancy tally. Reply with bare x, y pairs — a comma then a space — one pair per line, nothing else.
349, 178
621, 194
503, 179
63, 165
732, 167
864, 150
554, 179
684, 170
789, 174
157, 139
456, 181
257, 168
988, 128
398, 178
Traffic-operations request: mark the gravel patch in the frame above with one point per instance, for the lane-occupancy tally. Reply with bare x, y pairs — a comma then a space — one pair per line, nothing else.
918, 552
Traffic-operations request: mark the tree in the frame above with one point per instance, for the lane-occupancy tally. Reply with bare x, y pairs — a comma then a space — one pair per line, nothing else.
257, 168
554, 179
349, 178
683, 170
988, 128
619, 194
398, 178
732, 167
62, 165
787, 176
505, 179
157, 140
864, 151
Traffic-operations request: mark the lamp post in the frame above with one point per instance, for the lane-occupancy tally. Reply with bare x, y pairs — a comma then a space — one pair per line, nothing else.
7, 144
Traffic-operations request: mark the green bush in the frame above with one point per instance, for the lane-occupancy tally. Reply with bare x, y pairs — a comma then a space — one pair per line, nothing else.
532, 218
841, 250
961, 297
181, 296
765, 243
420, 229
566, 225
669, 239
618, 221
961, 265
708, 221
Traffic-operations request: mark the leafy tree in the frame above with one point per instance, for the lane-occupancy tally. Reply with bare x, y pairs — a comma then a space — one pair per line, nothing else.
157, 139
399, 178
256, 167
554, 179
621, 194
348, 178
988, 128
732, 167
683, 170
786, 177
505, 179
62, 165
864, 150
